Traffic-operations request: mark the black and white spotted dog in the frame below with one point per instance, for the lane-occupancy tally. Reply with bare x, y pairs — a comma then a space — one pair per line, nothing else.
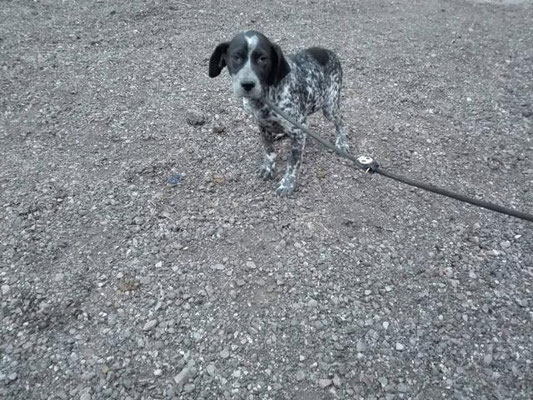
299, 85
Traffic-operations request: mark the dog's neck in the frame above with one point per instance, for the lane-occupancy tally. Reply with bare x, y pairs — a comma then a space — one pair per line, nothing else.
258, 104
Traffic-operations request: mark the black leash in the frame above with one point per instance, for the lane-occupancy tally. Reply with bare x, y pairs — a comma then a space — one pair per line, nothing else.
368, 164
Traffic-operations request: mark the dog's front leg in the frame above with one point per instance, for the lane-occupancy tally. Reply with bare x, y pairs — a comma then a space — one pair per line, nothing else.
288, 183
266, 171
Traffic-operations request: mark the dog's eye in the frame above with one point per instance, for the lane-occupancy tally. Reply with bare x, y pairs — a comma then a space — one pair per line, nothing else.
236, 58
262, 59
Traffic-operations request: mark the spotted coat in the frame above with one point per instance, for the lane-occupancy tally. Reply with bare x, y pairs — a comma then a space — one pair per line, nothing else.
313, 83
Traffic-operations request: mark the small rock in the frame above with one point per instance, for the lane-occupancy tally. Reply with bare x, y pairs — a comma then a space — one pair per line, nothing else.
224, 353
400, 347
159, 264
5, 289
324, 383
195, 118
158, 372
521, 302
219, 129
182, 377
361, 347
383, 381
487, 360
85, 396
300, 375
175, 179
337, 381
312, 303
402, 388
251, 265
150, 324
505, 244
218, 267
219, 179
211, 369
12, 377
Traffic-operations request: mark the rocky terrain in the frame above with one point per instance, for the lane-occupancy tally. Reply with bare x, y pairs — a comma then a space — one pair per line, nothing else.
142, 258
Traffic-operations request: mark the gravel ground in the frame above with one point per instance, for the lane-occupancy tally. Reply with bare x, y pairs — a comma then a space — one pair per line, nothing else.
141, 258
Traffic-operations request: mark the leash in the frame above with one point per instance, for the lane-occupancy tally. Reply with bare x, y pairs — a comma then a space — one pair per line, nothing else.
368, 164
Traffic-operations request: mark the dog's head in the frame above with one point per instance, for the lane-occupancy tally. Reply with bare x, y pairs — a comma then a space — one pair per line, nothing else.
253, 61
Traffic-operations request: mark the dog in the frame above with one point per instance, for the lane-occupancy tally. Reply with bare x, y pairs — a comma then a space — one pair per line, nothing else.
299, 85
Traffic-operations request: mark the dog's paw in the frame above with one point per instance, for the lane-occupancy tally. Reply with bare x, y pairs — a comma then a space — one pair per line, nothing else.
266, 171
342, 145
285, 187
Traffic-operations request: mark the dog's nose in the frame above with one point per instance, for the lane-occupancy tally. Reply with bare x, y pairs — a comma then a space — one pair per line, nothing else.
248, 85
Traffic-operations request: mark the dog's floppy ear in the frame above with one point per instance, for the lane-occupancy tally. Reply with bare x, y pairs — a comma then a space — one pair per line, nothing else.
280, 66
218, 59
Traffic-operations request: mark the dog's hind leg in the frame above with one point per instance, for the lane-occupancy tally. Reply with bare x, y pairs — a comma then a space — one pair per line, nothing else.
333, 114
331, 110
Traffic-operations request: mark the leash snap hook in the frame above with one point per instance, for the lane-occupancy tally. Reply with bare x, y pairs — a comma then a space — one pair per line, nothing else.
368, 164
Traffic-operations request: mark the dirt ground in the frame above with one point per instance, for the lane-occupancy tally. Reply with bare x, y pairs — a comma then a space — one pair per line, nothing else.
142, 258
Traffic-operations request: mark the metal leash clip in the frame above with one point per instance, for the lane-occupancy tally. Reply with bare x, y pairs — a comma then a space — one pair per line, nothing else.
368, 164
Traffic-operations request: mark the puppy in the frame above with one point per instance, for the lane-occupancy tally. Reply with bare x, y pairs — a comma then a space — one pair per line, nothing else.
299, 85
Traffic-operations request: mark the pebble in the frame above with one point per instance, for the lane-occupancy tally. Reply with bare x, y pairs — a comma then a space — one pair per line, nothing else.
361, 346
251, 265
182, 377
312, 303
324, 383
195, 118
85, 396
218, 129
400, 347
487, 360
300, 375
211, 369
224, 353
218, 267
175, 179
402, 388
158, 372
150, 324
5, 289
